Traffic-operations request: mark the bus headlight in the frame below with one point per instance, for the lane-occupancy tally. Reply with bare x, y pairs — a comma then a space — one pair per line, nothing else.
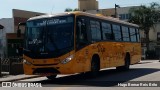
26, 62
68, 59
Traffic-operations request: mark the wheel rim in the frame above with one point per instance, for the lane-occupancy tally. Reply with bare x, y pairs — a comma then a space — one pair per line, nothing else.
94, 66
127, 62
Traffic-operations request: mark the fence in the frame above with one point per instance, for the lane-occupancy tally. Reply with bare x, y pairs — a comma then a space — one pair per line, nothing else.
5, 65
13, 66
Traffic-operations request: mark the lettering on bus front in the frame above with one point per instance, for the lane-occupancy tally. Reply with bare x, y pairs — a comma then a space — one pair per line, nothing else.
54, 21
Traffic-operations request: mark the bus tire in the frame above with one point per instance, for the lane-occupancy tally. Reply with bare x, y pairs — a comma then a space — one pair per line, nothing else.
127, 63
95, 66
52, 77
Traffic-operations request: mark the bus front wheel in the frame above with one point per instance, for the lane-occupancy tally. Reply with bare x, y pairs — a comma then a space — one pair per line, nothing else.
52, 77
95, 66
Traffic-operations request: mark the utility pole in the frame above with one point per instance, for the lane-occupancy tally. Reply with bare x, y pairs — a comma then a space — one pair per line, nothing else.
116, 6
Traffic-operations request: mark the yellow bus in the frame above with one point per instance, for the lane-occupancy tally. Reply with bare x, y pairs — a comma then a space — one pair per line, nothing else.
78, 42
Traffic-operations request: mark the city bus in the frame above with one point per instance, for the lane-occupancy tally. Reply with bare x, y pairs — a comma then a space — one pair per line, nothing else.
78, 42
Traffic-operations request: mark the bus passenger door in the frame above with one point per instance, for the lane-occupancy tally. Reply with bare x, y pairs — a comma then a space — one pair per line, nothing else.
81, 44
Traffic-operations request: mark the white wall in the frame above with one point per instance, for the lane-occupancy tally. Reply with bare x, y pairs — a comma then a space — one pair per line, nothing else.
92, 11
153, 32
8, 24
2, 43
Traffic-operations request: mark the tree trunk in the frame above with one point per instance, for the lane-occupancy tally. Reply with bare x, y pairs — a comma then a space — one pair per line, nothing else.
147, 39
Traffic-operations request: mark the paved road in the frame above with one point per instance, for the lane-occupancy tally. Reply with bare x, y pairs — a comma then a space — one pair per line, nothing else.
144, 71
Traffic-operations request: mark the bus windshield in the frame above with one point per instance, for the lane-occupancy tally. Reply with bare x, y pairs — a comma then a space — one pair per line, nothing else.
50, 36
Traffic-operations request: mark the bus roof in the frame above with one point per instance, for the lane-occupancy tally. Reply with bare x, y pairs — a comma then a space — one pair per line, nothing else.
98, 16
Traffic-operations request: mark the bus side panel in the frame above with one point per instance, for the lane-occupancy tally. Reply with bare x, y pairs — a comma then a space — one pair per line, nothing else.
82, 60
136, 53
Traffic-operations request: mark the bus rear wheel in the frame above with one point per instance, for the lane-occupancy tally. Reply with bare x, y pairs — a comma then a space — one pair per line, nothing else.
127, 64
52, 77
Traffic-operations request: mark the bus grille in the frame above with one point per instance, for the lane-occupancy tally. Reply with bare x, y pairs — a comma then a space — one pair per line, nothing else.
39, 71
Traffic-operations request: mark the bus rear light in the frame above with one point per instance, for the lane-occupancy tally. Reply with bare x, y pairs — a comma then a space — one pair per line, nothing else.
68, 59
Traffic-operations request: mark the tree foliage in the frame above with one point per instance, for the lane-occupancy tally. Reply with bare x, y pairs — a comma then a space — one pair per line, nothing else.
76, 9
145, 17
1, 27
68, 10
71, 10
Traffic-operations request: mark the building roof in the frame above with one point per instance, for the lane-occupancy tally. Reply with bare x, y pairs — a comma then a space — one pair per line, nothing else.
86, 14
1, 27
25, 14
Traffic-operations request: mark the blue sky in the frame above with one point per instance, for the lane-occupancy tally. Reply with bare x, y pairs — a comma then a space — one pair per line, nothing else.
55, 6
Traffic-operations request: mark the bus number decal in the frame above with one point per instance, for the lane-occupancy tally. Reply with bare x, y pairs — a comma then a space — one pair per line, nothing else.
100, 48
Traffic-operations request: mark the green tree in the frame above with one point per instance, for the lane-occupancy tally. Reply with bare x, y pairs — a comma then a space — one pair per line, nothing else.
145, 17
1, 27
71, 10
68, 10
76, 9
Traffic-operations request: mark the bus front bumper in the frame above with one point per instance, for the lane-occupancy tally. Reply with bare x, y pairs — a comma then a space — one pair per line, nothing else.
46, 70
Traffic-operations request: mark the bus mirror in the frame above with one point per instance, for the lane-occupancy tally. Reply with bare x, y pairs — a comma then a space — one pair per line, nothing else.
19, 33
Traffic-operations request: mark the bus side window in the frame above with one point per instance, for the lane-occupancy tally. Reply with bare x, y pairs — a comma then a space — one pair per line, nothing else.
81, 33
